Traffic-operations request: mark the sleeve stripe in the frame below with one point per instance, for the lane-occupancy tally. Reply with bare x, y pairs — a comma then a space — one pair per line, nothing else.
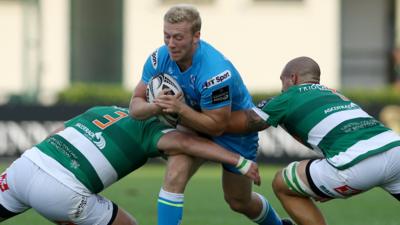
260, 113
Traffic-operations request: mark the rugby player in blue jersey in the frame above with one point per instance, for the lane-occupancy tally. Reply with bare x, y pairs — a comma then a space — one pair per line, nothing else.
212, 89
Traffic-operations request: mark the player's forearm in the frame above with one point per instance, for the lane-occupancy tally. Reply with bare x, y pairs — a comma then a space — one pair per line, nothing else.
140, 109
245, 121
206, 149
201, 122
176, 142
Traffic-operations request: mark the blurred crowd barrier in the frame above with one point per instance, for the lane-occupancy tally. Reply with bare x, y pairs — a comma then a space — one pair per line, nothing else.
17, 136
390, 115
23, 126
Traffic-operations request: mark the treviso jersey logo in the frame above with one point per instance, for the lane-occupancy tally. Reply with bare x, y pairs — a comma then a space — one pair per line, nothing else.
99, 141
96, 138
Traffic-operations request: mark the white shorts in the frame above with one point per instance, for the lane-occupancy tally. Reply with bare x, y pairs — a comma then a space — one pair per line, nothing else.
381, 170
24, 185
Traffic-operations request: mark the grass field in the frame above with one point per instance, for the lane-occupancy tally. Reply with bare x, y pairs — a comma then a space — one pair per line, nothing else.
204, 203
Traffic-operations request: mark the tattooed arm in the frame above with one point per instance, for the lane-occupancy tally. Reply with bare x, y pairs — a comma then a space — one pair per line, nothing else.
245, 121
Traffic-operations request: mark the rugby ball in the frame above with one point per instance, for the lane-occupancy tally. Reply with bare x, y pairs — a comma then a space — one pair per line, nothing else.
155, 86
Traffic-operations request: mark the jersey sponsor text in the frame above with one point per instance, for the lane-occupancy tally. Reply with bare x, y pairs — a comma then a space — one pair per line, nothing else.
217, 79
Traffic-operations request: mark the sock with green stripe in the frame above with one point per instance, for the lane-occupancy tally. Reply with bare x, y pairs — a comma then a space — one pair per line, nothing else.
170, 208
268, 216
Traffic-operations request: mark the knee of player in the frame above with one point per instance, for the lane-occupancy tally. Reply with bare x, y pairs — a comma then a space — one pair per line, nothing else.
277, 183
237, 205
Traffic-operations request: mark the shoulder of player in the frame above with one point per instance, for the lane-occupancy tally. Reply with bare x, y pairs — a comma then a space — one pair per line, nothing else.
283, 98
295, 94
213, 64
158, 57
210, 55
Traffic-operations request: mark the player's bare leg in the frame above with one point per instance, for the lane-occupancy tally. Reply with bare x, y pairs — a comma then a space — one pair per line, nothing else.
123, 218
180, 168
301, 209
238, 194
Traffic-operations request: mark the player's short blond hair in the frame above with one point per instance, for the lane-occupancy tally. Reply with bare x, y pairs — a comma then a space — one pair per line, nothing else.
184, 13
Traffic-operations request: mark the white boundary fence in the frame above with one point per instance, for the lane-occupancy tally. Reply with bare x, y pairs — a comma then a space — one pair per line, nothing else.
17, 136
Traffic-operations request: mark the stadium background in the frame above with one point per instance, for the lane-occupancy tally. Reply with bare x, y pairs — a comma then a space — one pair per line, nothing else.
47, 46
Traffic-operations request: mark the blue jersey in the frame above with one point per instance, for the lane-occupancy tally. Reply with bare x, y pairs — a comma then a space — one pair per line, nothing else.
210, 83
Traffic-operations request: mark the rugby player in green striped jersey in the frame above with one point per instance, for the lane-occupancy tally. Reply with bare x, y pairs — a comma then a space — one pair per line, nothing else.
358, 151
61, 176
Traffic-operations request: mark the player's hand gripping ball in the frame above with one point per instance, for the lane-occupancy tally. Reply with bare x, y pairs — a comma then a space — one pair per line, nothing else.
155, 86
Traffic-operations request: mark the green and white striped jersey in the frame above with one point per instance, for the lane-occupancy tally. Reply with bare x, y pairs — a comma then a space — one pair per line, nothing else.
326, 121
102, 145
